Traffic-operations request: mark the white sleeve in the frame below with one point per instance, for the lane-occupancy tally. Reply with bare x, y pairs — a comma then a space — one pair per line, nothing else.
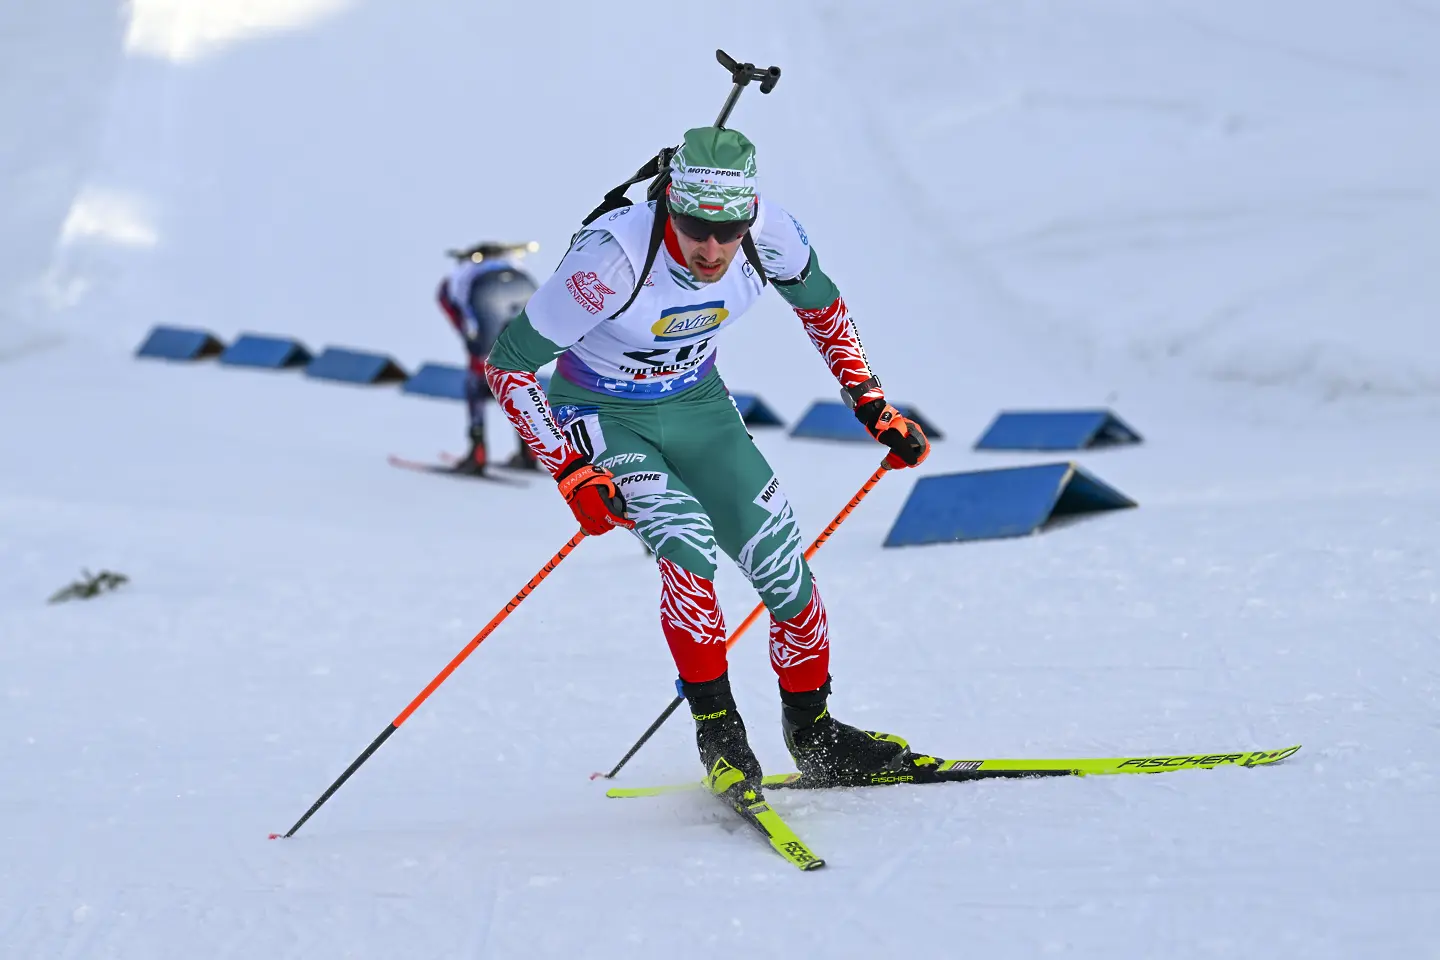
593, 280
783, 246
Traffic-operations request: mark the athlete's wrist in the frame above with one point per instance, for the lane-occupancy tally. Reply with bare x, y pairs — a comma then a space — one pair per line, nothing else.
863, 392
574, 464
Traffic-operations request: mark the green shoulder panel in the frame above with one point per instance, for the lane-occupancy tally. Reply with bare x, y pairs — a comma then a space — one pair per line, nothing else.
815, 291
521, 347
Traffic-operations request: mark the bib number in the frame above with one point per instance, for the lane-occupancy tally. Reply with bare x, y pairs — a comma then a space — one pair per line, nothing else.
585, 435
666, 361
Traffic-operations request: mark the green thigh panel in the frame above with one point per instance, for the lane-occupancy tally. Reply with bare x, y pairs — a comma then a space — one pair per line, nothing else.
709, 457
707, 443
622, 438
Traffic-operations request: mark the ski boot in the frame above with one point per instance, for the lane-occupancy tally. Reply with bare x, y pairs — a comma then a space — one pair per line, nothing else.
731, 770
830, 753
473, 463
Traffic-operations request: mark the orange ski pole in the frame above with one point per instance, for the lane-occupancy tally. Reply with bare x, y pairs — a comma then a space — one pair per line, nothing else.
440, 678
754, 615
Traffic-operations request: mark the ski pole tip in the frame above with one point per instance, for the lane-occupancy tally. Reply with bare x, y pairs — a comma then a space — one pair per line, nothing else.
275, 836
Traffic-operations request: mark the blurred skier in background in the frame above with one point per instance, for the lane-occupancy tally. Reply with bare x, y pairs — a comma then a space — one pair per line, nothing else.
485, 290
643, 435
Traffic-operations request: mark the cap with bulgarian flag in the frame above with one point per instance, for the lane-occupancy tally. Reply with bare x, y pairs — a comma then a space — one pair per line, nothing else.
712, 175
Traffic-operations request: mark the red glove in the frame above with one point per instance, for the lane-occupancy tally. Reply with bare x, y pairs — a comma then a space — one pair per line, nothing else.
593, 496
907, 442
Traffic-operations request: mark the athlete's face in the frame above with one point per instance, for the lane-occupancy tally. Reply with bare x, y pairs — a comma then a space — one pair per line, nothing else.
707, 259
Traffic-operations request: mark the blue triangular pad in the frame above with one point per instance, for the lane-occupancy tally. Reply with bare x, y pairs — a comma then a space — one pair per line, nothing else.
1085, 494
180, 343
990, 504
829, 420
755, 412
438, 380
932, 432
273, 353
833, 420
354, 366
1056, 430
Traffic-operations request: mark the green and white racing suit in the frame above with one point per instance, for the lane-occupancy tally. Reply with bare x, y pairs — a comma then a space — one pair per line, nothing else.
640, 395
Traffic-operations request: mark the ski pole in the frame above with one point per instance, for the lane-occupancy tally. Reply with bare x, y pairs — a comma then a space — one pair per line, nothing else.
754, 615
440, 678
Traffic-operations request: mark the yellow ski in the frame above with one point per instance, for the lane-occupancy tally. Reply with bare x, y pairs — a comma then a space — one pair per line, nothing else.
760, 816
921, 769
729, 786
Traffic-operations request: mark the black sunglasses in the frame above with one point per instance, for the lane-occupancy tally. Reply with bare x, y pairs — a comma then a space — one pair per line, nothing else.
726, 231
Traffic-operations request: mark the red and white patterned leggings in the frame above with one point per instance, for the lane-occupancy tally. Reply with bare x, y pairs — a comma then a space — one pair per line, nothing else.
694, 628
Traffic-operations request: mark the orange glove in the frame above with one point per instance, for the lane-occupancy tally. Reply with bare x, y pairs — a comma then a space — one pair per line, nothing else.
593, 496
907, 442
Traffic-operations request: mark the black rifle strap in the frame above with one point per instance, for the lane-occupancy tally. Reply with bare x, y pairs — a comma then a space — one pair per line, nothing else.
800, 277
657, 237
753, 255
616, 198
656, 190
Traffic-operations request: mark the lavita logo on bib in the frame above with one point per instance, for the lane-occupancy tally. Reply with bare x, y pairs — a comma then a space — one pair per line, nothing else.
682, 323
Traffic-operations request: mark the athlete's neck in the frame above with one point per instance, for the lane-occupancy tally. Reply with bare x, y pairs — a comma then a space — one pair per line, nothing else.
672, 245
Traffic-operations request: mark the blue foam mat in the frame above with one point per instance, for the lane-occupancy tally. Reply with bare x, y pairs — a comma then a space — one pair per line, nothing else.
1005, 502
180, 343
755, 411
437, 380
833, 420
354, 366
1048, 430
267, 352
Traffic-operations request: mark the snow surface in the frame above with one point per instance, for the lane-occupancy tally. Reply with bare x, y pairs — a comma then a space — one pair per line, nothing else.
1219, 218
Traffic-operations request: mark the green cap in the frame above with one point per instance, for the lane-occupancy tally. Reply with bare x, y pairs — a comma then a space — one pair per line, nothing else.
712, 175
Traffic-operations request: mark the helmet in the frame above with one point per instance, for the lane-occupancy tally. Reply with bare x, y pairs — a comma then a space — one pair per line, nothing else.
498, 295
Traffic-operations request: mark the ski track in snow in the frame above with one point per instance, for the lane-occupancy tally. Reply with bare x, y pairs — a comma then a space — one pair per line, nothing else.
1182, 210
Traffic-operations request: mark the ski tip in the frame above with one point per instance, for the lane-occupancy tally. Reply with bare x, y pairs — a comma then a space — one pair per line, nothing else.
813, 865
